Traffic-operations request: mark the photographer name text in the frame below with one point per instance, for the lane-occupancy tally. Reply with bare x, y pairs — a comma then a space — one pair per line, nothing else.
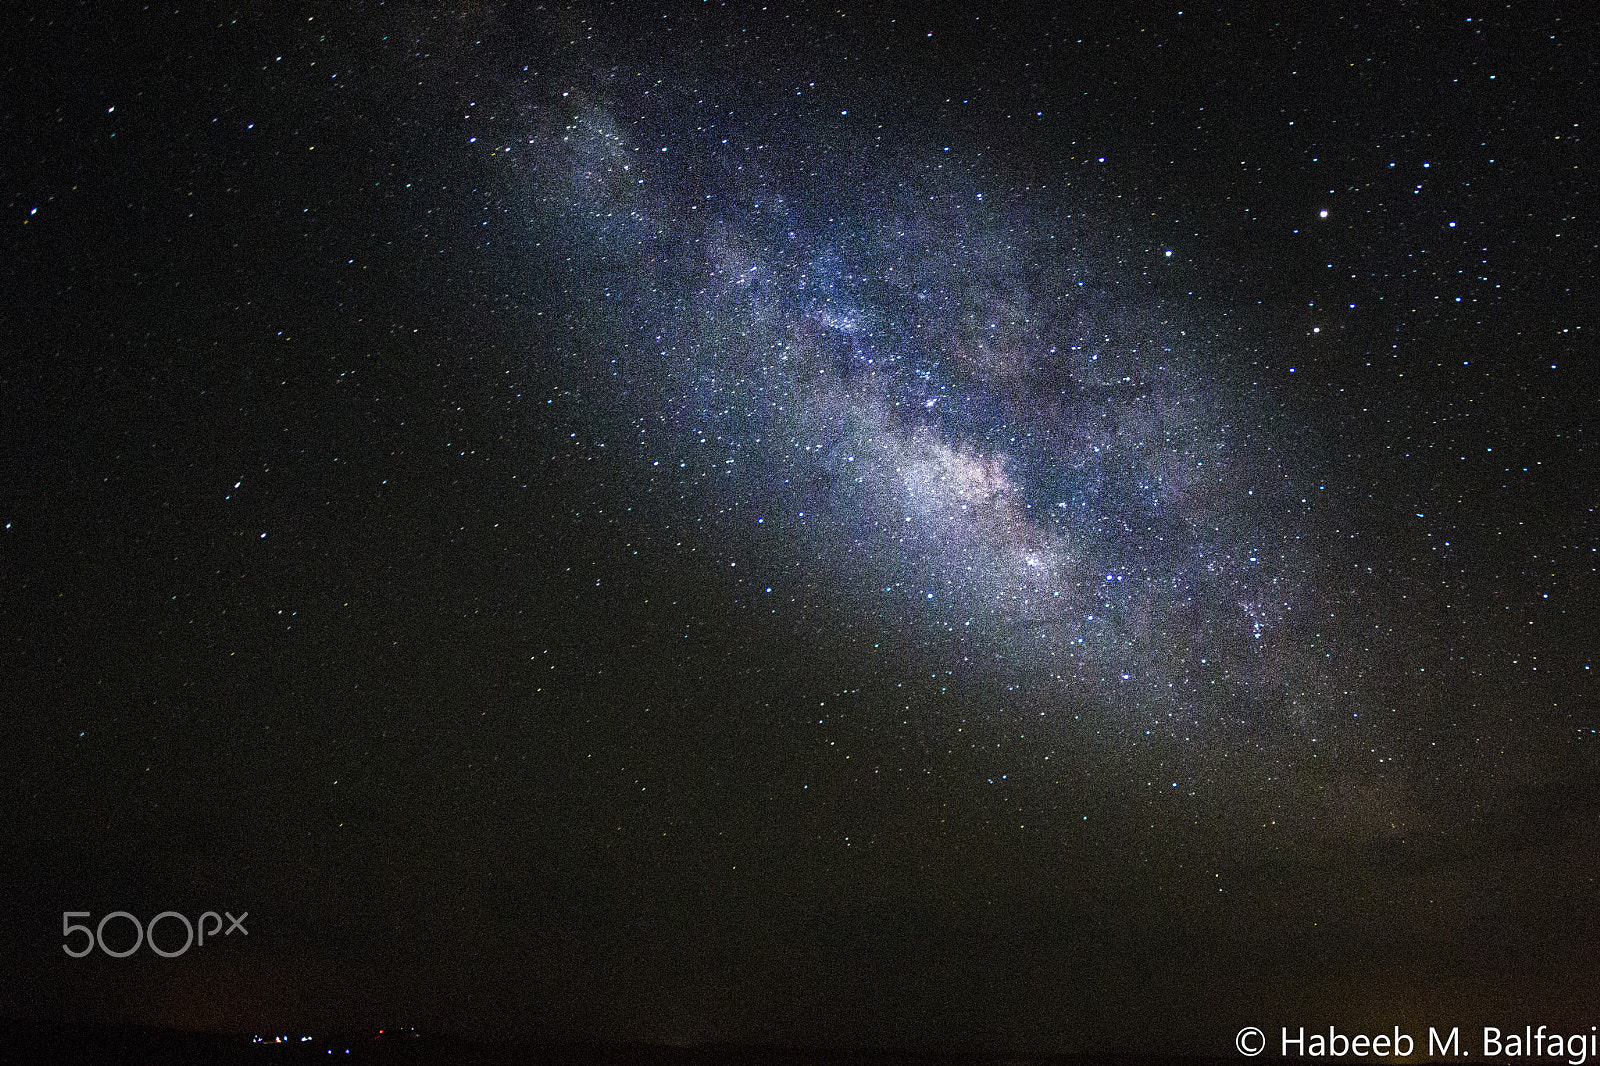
1530, 1042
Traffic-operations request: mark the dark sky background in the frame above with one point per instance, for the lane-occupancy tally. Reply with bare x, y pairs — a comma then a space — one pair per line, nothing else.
839, 527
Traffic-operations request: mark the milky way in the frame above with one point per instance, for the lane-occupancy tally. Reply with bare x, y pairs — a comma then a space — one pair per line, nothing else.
1014, 451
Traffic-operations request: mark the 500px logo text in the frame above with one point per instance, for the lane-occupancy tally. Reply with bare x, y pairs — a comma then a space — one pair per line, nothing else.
146, 934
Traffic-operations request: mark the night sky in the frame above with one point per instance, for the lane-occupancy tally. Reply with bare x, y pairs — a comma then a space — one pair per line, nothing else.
803, 525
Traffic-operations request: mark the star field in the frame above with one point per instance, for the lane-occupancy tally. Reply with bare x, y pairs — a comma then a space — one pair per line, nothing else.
832, 528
